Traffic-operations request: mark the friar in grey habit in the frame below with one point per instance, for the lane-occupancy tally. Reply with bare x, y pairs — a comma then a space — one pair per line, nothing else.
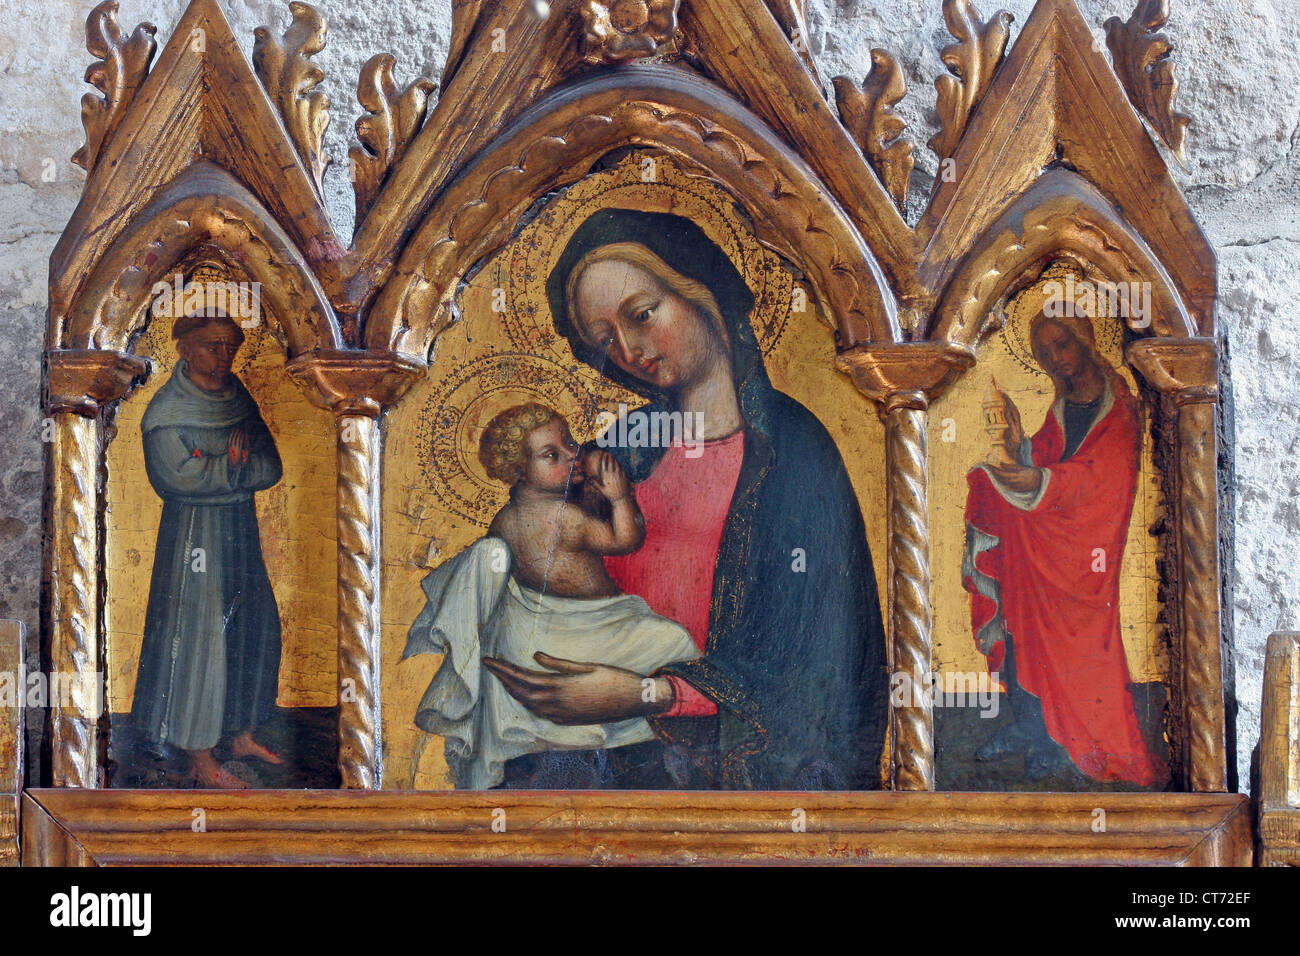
210, 662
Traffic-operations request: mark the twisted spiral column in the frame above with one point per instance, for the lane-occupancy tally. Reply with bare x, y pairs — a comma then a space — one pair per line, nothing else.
74, 590
1198, 532
357, 387
903, 378
360, 737
912, 723
1186, 373
81, 383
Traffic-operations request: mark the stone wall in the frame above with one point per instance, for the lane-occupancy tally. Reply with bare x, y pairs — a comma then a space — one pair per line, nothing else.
1236, 60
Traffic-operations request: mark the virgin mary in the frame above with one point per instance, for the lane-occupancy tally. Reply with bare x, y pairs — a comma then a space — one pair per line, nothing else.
756, 545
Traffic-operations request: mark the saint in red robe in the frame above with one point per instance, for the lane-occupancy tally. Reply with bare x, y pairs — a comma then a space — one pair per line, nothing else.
1043, 571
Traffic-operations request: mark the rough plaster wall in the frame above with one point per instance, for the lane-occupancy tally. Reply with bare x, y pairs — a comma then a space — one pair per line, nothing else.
1236, 60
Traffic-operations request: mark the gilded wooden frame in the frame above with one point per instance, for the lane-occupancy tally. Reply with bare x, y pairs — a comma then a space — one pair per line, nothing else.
1279, 754
208, 154
12, 662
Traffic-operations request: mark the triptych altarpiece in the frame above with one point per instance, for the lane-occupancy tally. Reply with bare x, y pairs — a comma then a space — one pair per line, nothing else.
637, 463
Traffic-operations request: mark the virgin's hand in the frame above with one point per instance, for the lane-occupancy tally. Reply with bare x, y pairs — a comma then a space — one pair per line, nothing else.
580, 693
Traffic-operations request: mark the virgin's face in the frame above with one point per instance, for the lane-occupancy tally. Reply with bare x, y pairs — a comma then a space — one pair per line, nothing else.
645, 329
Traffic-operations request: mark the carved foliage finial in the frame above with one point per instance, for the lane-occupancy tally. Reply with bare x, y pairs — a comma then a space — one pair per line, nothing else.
868, 115
284, 67
391, 120
972, 61
615, 30
1142, 61
122, 66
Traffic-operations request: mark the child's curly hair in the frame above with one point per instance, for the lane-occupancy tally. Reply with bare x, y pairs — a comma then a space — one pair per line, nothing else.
502, 447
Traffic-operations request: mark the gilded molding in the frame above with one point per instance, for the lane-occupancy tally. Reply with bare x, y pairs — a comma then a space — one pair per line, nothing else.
83, 380
284, 66
201, 104
1185, 372
215, 161
122, 64
1142, 61
604, 828
867, 113
355, 383
1185, 369
13, 662
1279, 754
204, 207
792, 16
926, 369
1061, 216
475, 214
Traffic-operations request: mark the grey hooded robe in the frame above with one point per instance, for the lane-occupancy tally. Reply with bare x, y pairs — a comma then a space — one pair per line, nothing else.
210, 661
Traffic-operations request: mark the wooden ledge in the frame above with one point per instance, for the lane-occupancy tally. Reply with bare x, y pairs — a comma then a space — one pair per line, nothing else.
206, 827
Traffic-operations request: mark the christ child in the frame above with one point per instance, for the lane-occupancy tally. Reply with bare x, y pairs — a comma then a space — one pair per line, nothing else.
557, 606
568, 508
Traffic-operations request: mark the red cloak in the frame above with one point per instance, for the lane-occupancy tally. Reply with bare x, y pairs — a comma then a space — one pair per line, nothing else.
1055, 565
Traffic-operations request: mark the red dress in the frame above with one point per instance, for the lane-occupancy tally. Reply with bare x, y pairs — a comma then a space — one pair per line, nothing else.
1058, 566
685, 503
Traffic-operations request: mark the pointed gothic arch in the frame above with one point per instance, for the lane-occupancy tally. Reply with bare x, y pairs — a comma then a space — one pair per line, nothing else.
564, 134
1060, 215
1055, 102
201, 103
204, 206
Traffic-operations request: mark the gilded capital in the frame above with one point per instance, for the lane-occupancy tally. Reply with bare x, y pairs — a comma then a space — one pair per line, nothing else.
355, 383
82, 380
909, 374
1186, 370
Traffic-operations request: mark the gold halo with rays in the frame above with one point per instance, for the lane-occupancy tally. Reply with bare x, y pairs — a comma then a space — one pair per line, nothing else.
458, 411
1028, 304
649, 182
156, 341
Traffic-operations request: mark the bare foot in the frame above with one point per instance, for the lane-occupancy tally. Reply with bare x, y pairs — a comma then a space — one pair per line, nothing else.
211, 775
245, 746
